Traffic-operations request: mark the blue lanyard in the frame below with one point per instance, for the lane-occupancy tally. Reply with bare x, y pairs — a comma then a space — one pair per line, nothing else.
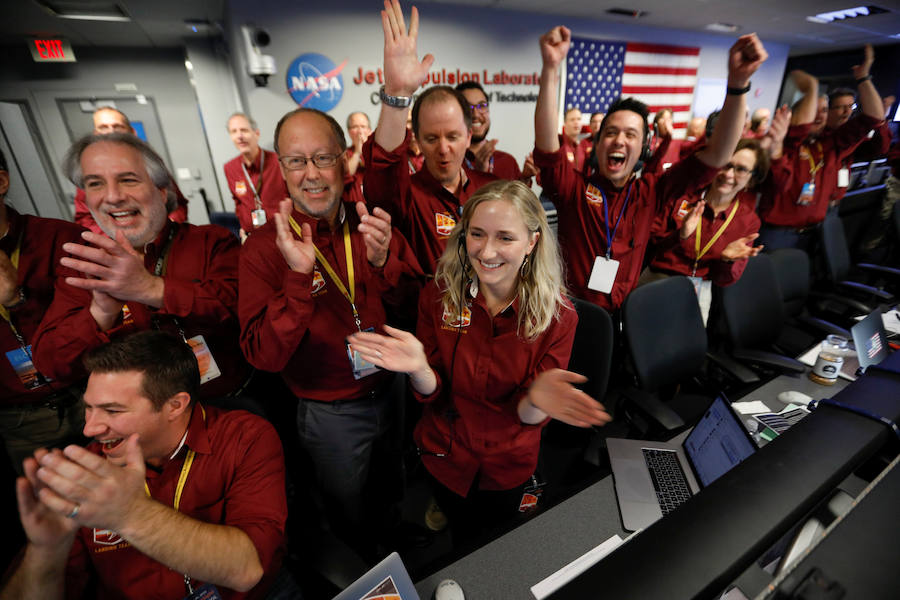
609, 238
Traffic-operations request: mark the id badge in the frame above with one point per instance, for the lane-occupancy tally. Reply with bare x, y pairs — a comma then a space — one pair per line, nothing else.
843, 177
806, 194
20, 359
603, 275
204, 592
703, 289
258, 217
361, 367
531, 496
209, 370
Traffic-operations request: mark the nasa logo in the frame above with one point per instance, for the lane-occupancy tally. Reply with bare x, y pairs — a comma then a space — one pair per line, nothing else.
314, 82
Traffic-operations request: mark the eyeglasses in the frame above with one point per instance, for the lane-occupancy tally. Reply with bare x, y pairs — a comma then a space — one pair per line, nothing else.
738, 169
298, 163
480, 106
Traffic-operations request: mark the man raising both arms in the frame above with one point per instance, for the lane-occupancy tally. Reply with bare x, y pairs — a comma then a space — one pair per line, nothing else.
605, 218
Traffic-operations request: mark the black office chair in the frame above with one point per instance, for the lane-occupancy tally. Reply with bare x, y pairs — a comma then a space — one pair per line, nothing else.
838, 268
563, 446
227, 220
801, 328
667, 347
754, 316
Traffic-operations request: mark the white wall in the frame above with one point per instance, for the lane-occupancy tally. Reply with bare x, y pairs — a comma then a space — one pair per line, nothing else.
463, 37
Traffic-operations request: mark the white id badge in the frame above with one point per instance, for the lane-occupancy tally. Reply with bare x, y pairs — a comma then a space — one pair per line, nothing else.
209, 370
361, 367
603, 275
259, 217
843, 177
703, 289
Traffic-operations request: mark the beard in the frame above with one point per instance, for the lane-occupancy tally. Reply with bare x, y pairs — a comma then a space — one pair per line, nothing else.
477, 139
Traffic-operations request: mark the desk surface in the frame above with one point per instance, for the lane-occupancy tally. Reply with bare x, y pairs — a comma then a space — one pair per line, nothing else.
510, 565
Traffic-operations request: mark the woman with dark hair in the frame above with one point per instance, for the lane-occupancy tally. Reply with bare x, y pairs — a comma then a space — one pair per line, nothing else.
495, 332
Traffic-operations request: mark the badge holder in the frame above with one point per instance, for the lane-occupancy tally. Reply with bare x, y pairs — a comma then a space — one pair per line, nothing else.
843, 177
209, 370
258, 217
531, 495
806, 194
603, 275
361, 367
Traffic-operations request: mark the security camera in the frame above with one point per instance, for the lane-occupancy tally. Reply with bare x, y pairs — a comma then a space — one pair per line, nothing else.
259, 65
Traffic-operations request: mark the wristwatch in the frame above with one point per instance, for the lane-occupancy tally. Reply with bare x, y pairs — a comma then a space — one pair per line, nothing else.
395, 101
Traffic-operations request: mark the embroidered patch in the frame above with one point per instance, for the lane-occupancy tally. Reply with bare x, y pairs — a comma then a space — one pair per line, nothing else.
106, 537
444, 224
240, 187
318, 281
453, 321
684, 209
593, 195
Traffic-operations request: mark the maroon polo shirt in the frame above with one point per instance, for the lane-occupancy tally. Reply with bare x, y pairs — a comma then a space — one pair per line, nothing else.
297, 323
493, 369
502, 164
41, 249
235, 479
801, 155
423, 210
270, 186
200, 298
84, 217
582, 224
676, 256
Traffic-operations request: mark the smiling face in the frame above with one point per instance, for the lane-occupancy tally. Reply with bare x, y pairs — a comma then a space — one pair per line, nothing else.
244, 137
358, 127
497, 241
821, 119
481, 117
120, 194
839, 111
443, 138
115, 408
735, 176
315, 192
619, 145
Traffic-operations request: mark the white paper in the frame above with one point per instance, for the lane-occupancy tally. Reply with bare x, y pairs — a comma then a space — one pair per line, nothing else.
575, 568
752, 407
843, 177
603, 275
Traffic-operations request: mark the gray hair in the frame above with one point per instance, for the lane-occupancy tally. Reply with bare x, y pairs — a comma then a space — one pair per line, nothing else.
156, 168
250, 120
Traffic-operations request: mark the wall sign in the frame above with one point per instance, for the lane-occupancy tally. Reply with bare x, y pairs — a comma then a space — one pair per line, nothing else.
313, 81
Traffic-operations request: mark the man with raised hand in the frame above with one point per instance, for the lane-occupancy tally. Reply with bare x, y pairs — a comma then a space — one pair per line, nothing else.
171, 496
811, 176
146, 272
605, 218
426, 205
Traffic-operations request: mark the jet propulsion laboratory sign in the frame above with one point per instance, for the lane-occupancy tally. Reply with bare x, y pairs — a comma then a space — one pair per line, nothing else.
313, 81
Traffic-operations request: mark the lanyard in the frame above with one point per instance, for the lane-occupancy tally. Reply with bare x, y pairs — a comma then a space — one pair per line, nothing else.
714, 238
609, 238
262, 163
185, 469
160, 267
351, 294
813, 167
490, 165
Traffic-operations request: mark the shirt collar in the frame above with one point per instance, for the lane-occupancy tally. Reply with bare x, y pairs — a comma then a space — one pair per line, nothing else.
197, 435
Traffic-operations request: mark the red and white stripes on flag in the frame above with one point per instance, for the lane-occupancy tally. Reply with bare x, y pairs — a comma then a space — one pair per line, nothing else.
661, 76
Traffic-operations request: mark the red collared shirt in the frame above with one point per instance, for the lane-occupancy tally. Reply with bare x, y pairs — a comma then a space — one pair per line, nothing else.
492, 371
582, 224
271, 187
792, 173
676, 256
200, 273
41, 249
423, 210
503, 165
84, 217
297, 323
235, 479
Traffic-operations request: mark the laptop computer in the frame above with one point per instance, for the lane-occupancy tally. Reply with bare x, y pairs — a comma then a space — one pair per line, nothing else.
870, 340
388, 580
653, 478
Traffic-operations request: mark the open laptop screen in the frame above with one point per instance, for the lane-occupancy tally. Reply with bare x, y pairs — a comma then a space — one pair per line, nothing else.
717, 443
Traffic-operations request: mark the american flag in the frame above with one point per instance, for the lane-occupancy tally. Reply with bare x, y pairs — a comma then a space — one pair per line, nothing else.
598, 72
873, 347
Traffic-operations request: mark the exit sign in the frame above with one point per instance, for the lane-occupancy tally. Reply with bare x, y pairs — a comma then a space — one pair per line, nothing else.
51, 50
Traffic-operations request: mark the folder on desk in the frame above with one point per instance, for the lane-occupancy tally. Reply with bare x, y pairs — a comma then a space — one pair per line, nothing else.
645, 472
386, 580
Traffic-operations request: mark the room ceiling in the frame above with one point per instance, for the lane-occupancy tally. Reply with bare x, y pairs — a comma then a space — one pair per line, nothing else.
160, 23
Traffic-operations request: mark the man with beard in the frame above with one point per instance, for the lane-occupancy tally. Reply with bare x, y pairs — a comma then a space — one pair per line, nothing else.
482, 154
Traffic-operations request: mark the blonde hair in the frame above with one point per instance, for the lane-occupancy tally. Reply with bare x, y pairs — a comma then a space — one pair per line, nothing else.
539, 285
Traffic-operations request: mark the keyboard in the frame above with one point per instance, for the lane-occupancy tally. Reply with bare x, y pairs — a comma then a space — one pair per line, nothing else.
668, 479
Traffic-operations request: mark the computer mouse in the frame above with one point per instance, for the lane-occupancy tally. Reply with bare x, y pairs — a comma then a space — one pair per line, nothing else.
448, 590
792, 397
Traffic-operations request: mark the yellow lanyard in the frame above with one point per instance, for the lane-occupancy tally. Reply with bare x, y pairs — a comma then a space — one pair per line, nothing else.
182, 478
813, 167
14, 259
351, 294
715, 236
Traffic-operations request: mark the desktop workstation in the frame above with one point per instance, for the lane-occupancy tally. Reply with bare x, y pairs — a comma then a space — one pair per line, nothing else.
709, 542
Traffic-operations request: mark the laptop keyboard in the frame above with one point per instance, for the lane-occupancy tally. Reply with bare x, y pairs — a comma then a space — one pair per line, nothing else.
668, 479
